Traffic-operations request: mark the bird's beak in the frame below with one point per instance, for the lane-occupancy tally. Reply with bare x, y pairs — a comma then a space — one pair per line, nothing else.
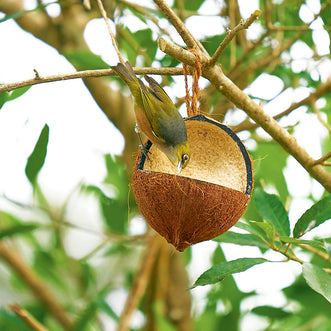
179, 167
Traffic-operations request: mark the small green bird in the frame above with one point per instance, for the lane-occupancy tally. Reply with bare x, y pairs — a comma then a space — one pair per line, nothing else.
157, 116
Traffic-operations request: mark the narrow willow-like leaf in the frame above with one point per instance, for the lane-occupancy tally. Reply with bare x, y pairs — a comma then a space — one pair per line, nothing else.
37, 158
318, 279
244, 239
88, 314
271, 312
314, 216
268, 228
249, 228
328, 248
18, 229
218, 272
105, 307
271, 208
18, 92
296, 241
4, 96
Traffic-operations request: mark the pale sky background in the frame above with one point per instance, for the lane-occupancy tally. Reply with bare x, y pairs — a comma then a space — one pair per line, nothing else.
80, 134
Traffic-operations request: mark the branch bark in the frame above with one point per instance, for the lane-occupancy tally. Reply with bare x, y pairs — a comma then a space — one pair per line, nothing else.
13, 258
86, 74
140, 283
319, 92
186, 35
27, 318
231, 33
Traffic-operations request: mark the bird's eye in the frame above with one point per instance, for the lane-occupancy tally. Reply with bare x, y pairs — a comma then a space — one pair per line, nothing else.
185, 158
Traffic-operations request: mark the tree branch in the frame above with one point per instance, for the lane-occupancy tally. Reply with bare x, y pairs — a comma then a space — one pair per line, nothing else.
323, 158
112, 36
319, 116
319, 92
186, 35
231, 33
86, 74
317, 252
224, 85
27, 318
13, 258
140, 282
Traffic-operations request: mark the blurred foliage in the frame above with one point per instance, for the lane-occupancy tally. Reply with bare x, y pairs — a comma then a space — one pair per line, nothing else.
84, 285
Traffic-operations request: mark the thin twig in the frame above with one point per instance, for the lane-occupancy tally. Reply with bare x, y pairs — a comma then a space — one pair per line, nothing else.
320, 91
140, 283
86, 74
319, 116
323, 159
145, 12
327, 270
317, 252
306, 27
107, 237
13, 258
104, 15
231, 33
189, 39
27, 318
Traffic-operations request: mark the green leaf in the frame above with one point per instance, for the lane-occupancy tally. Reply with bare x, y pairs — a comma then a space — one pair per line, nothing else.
84, 319
18, 92
104, 306
251, 227
241, 239
326, 14
271, 208
9, 321
328, 248
190, 5
146, 42
269, 161
4, 96
318, 279
218, 272
271, 312
18, 229
85, 60
112, 209
37, 158
296, 241
268, 229
314, 216
17, 14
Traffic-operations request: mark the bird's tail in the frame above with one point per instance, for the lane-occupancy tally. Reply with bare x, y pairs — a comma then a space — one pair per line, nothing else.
127, 74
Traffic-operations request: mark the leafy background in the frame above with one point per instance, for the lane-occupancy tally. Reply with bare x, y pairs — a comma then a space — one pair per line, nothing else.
67, 208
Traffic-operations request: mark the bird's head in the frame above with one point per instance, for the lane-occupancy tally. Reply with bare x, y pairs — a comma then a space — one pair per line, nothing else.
180, 156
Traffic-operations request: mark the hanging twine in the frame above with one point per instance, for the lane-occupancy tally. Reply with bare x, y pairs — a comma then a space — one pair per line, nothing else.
192, 101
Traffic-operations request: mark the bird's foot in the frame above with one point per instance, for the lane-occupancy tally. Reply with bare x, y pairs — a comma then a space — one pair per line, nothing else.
145, 151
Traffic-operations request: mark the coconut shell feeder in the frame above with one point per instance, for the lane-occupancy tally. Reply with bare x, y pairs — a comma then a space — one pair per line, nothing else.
210, 194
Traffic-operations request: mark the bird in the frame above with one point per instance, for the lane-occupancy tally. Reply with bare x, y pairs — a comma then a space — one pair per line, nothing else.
157, 116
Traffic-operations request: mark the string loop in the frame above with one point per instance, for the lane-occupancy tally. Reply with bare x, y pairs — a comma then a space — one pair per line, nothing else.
192, 101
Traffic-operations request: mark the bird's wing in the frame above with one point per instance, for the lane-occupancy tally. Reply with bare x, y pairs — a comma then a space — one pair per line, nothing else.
166, 122
147, 115
158, 92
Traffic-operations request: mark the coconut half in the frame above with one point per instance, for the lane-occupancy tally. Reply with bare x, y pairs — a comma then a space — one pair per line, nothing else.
209, 195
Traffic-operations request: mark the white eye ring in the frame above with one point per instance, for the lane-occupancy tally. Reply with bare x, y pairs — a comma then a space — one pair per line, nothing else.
185, 158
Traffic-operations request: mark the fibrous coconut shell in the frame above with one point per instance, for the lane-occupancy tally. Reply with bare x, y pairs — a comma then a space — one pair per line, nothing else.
209, 195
